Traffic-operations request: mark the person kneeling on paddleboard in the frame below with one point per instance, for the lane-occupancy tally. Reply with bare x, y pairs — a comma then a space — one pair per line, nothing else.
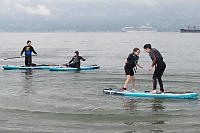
159, 66
131, 63
28, 49
76, 61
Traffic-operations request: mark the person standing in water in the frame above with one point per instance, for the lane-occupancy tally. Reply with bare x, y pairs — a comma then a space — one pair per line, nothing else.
28, 49
76, 61
131, 63
159, 66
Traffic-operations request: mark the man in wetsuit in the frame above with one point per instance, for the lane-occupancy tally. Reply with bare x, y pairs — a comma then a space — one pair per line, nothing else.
76, 61
28, 49
159, 66
131, 63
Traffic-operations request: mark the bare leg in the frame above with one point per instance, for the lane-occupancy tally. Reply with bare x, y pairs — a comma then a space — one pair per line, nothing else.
127, 80
154, 85
133, 83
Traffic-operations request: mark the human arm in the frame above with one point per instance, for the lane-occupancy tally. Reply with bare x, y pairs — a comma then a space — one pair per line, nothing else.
154, 59
32, 49
139, 66
22, 52
82, 59
129, 59
125, 61
71, 60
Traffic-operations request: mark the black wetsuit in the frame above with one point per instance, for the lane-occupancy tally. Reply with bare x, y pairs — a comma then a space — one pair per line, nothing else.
131, 64
159, 68
76, 62
28, 58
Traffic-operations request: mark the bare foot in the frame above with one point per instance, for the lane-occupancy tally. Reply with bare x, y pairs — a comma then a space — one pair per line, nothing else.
134, 90
153, 91
162, 91
125, 91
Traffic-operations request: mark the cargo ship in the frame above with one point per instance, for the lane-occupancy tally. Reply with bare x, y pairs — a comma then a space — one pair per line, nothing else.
190, 30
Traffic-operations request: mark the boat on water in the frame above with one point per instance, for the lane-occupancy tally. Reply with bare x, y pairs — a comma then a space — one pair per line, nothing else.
190, 30
143, 28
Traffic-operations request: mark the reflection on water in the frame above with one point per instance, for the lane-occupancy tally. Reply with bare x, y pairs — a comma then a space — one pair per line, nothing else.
156, 131
27, 82
128, 132
157, 105
131, 104
156, 119
158, 122
28, 72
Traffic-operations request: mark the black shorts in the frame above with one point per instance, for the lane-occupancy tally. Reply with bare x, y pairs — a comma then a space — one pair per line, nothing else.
128, 70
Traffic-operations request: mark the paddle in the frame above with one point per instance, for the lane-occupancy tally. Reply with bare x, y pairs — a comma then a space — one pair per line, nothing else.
49, 64
13, 58
9, 58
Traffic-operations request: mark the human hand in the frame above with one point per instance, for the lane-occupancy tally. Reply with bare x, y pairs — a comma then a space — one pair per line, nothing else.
125, 61
141, 67
150, 68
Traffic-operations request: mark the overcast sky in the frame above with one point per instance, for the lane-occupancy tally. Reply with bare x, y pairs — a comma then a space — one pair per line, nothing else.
48, 7
96, 14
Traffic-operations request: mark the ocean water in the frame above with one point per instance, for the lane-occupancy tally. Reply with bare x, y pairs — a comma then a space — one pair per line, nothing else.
43, 101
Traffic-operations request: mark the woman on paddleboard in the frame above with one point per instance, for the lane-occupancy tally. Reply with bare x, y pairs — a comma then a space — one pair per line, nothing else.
159, 66
131, 63
76, 61
28, 49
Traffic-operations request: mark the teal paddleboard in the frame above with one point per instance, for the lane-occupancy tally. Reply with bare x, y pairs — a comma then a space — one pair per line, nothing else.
64, 68
27, 67
148, 94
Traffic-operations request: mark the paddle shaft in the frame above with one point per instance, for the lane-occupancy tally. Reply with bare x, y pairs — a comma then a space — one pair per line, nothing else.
14, 57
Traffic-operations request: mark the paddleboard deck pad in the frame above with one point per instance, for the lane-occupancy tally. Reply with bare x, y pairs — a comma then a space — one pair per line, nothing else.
148, 94
64, 68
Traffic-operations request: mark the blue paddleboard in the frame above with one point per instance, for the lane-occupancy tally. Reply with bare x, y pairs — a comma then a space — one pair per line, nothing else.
148, 94
25, 67
64, 68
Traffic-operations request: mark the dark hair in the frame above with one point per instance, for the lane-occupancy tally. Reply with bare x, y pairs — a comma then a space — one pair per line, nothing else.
135, 49
28, 41
76, 52
147, 46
